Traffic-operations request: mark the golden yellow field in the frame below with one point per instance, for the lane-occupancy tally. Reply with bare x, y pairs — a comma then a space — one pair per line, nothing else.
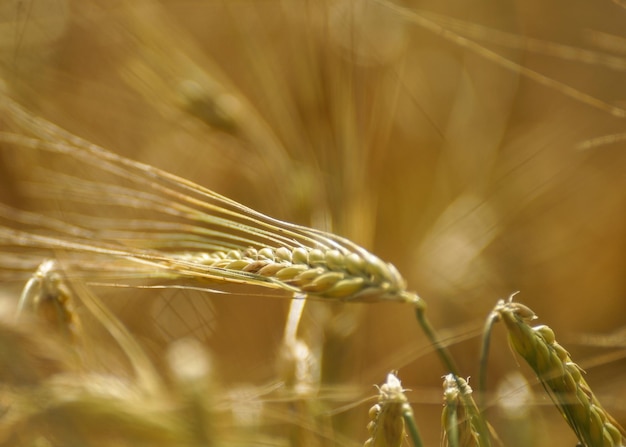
476, 146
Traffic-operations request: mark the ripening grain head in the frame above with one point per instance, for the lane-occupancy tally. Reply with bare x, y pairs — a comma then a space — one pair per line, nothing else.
560, 376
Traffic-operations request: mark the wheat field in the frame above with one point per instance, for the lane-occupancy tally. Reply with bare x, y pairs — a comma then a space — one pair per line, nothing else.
473, 150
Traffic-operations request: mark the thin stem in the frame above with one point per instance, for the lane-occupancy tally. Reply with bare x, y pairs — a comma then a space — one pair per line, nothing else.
411, 426
448, 361
452, 428
484, 357
444, 355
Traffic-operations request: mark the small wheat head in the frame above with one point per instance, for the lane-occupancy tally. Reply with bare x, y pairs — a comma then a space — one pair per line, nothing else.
457, 419
386, 426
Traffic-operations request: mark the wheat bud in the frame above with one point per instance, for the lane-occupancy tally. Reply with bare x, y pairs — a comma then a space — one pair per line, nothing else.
386, 427
458, 423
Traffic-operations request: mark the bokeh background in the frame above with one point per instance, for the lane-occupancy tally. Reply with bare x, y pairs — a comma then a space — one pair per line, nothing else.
476, 145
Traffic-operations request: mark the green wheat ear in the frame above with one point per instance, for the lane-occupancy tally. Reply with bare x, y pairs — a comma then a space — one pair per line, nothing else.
459, 415
391, 417
560, 376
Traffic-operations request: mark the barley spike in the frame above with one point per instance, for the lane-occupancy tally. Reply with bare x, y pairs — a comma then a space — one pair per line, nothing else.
315, 272
219, 241
560, 376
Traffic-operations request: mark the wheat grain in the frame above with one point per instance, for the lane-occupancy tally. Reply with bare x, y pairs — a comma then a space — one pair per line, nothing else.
313, 271
560, 376
198, 235
56, 400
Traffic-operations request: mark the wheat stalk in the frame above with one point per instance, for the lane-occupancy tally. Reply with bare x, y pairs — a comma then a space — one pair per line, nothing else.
202, 236
560, 376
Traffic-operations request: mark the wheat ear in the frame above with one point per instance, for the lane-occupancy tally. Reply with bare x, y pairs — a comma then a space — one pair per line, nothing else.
47, 298
459, 415
560, 376
325, 273
390, 416
227, 242
220, 241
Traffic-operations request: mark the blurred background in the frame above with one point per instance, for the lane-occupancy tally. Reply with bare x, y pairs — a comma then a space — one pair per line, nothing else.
478, 146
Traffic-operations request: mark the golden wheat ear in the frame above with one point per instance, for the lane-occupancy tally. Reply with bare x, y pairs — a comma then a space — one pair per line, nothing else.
203, 237
560, 376
219, 240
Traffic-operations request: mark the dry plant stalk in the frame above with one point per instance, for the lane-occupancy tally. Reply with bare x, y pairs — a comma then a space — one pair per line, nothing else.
457, 420
560, 376
299, 370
